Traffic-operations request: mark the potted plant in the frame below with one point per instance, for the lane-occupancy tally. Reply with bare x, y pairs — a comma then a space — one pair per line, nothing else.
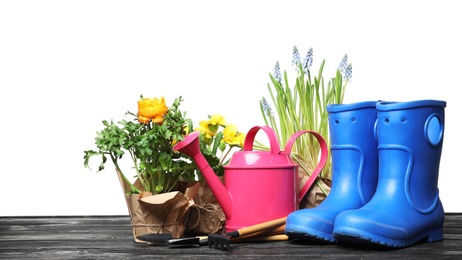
303, 107
168, 183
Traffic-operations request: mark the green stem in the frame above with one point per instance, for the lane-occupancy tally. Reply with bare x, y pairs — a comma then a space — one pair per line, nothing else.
132, 187
140, 177
225, 155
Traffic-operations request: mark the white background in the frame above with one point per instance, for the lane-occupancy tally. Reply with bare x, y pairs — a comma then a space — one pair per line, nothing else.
67, 65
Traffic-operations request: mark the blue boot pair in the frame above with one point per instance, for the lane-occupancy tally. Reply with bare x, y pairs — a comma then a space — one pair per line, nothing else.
385, 164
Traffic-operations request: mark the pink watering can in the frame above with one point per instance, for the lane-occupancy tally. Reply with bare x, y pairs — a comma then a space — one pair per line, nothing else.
259, 186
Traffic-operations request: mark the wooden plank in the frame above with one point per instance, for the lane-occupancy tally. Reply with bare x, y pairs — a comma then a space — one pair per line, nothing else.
110, 237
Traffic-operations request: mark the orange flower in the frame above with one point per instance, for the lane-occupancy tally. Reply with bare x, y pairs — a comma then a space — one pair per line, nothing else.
152, 109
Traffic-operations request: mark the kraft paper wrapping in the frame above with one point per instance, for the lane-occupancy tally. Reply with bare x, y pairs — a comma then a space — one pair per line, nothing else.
205, 216
315, 195
193, 209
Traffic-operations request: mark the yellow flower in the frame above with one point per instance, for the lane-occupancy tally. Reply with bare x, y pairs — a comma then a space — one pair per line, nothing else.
233, 137
152, 109
205, 130
217, 119
209, 127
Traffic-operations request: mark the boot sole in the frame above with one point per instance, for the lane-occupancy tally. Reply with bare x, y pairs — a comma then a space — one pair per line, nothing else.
365, 239
309, 235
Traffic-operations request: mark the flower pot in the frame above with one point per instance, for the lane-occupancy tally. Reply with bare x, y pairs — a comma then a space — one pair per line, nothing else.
205, 216
191, 210
160, 214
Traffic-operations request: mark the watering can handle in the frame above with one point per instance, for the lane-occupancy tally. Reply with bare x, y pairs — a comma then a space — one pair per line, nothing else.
322, 161
249, 138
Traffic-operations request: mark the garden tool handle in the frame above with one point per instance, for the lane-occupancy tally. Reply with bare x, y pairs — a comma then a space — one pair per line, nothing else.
267, 232
277, 237
261, 226
322, 161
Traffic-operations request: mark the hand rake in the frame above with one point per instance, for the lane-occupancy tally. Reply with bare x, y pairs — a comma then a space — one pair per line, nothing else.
222, 241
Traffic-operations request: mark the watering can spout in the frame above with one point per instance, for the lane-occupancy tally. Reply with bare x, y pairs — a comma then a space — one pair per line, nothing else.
190, 146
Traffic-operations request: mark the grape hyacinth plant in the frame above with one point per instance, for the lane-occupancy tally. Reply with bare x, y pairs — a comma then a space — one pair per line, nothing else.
303, 107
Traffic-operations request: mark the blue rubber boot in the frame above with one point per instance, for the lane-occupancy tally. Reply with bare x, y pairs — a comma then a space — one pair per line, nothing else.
406, 208
354, 172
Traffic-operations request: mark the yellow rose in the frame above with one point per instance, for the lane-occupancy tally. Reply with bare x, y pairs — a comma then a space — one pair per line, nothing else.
152, 109
233, 137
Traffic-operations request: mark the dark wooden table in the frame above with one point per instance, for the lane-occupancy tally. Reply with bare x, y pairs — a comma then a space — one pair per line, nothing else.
110, 237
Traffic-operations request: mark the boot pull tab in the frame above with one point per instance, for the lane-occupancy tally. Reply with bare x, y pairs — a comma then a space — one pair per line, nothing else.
322, 160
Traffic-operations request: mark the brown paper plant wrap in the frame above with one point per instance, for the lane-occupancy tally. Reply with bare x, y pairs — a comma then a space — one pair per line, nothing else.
205, 216
315, 194
169, 213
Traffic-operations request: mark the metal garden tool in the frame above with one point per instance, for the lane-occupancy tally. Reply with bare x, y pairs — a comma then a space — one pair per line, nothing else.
270, 234
268, 231
156, 239
223, 241
168, 240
